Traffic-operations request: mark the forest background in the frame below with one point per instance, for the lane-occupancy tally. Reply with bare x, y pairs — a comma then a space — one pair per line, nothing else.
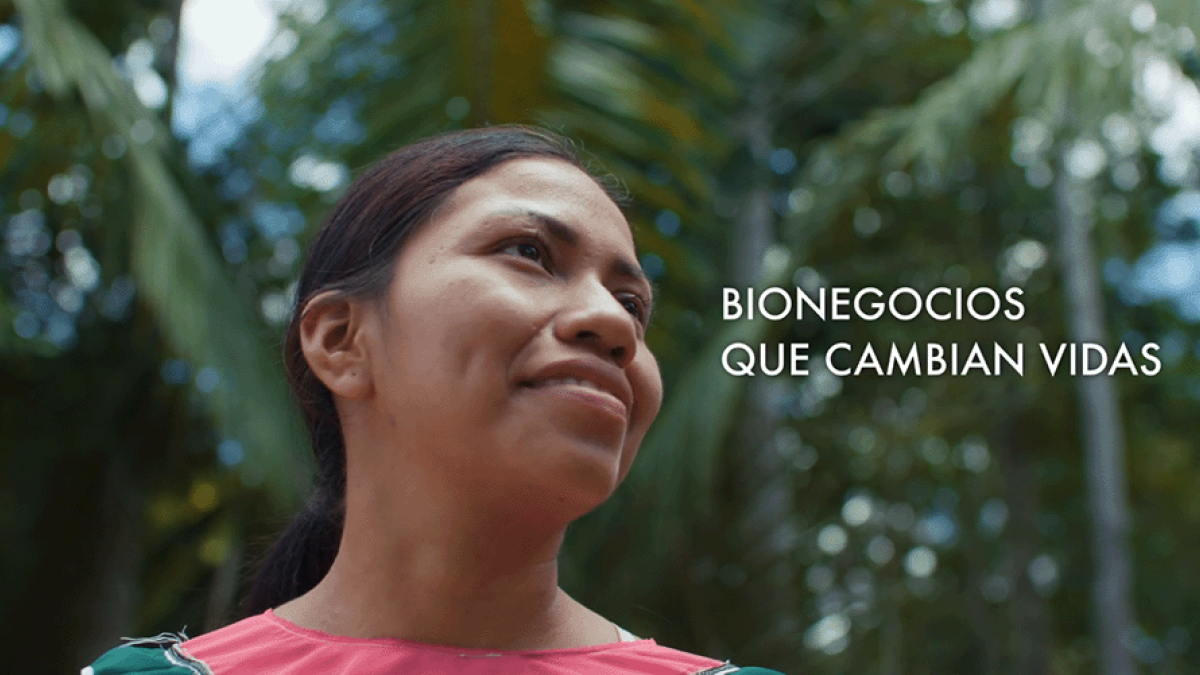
819, 524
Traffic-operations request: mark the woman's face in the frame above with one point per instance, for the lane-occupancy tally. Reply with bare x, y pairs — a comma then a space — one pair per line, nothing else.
511, 344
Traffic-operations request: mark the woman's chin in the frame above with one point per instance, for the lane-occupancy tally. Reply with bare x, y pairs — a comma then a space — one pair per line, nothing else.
569, 492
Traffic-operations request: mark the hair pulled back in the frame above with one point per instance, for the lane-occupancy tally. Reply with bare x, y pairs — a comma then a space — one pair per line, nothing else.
353, 255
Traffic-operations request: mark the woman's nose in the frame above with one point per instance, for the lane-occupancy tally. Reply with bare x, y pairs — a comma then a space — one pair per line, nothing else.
593, 317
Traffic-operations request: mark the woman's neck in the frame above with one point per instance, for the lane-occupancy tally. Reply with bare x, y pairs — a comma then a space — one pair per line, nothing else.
436, 572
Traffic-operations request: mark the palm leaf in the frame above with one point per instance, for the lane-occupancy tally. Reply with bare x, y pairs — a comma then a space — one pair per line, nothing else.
1043, 64
177, 268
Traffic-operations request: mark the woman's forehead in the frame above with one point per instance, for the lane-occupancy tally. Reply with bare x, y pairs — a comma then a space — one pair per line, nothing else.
549, 192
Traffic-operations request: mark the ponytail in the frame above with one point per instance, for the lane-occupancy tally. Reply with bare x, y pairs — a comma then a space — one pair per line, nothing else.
299, 559
303, 554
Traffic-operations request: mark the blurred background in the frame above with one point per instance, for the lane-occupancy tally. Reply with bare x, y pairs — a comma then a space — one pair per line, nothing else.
164, 163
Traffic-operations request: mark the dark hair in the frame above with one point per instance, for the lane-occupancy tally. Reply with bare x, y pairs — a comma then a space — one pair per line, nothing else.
353, 254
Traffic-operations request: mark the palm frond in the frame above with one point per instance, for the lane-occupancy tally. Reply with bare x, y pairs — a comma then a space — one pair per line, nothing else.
175, 265
1043, 65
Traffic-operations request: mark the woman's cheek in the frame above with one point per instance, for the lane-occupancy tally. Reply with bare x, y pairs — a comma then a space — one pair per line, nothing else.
652, 386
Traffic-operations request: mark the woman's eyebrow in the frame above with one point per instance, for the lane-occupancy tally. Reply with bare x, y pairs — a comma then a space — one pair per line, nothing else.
555, 227
565, 233
624, 268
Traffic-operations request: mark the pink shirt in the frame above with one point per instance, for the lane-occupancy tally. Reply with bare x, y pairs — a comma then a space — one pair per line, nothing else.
267, 645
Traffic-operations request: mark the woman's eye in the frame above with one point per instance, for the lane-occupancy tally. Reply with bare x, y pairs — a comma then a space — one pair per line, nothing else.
633, 305
527, 250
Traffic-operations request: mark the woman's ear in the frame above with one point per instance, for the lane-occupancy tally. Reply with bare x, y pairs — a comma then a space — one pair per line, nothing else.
332, 336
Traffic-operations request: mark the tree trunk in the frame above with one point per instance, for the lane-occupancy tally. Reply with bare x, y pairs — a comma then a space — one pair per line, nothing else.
1027, 637
1103, 442
762, 481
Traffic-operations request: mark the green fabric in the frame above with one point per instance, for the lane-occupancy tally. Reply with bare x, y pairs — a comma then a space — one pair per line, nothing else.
757, 671
139, 660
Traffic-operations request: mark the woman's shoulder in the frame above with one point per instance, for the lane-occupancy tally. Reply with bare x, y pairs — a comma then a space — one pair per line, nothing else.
267, 644
174, 653
730, 669
159, 655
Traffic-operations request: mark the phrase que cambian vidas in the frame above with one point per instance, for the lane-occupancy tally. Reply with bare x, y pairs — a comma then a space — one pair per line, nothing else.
943, 304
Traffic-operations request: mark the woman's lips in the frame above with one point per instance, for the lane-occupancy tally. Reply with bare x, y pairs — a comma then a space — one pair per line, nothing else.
582, 390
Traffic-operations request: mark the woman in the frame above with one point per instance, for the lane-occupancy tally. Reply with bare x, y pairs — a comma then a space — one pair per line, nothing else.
468, 348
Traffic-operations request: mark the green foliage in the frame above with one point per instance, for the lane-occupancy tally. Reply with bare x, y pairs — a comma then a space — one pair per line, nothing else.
172, 260
817, 524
